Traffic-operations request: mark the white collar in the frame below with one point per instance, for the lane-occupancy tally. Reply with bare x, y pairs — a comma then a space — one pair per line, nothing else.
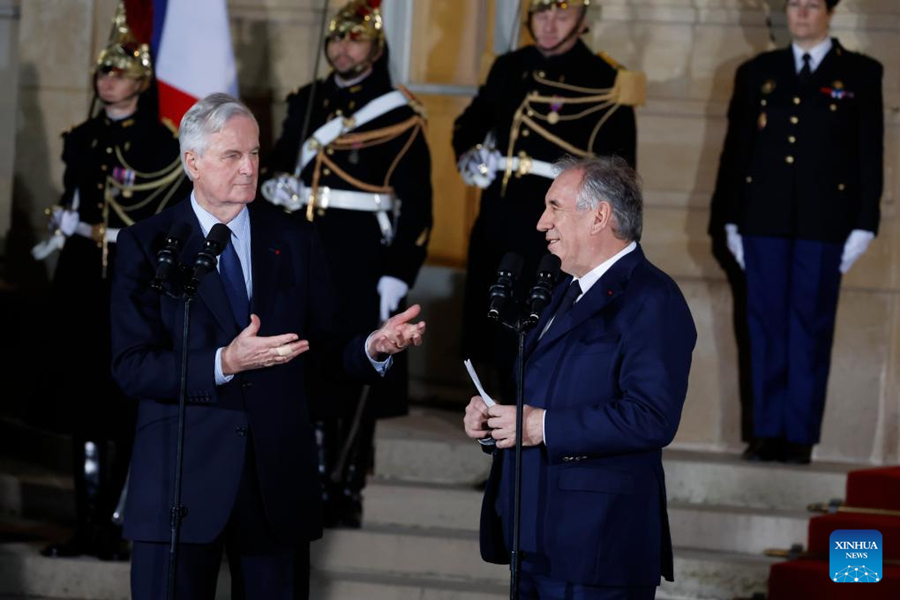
594, 275
817, 54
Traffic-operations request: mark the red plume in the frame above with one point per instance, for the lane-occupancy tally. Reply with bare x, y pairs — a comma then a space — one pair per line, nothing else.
375, 4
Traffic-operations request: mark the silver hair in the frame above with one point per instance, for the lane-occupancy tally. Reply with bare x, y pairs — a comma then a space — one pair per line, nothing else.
205, 118
609, 179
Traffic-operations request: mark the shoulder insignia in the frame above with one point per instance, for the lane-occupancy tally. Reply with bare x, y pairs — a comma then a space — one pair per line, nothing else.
127, 123
630, 88
414, 103
171, 126
610, 60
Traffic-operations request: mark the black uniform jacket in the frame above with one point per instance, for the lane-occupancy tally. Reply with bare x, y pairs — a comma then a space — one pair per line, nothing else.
352, 240
804, 161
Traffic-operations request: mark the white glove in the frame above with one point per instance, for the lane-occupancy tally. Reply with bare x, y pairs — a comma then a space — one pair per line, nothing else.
857, 243
64, 220
283, 190
392, 291
478, 166
735, 243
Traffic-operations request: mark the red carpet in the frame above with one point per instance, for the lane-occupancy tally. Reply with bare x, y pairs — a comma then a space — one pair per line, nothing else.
802, 579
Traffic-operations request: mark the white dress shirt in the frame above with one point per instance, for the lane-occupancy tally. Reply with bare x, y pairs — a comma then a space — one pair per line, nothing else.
816, 54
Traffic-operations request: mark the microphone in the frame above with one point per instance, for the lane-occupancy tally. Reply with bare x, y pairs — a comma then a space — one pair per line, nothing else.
507, 274
215, 242
539, 297
167, 257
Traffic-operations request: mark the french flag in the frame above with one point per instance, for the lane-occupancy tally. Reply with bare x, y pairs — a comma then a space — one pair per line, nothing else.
192, 52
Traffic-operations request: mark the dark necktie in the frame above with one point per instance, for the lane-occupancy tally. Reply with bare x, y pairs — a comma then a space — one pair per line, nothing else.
235, 288
806, 71
572, 293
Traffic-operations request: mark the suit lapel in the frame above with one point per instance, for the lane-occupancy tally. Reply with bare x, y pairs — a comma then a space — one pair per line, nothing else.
264, 260
610, 286
211, 291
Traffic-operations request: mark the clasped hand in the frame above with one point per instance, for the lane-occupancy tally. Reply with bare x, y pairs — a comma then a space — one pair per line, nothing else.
499, 422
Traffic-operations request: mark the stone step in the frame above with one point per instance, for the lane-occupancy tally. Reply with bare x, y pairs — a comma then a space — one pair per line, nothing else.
711, 527
429, 446
374, 563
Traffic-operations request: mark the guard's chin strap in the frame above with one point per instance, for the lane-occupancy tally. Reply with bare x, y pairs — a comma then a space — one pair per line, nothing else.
576, 31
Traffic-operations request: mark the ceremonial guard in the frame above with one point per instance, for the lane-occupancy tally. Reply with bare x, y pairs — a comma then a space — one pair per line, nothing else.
352, 158
121, 166
539, 103
799, 187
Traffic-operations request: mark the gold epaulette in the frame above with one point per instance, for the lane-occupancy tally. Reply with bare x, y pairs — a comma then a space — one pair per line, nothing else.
610, 60
172, 127
630, 88
414, 103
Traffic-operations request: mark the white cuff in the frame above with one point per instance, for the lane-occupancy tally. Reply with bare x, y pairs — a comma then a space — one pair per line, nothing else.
544, 427
380, 366
221, 378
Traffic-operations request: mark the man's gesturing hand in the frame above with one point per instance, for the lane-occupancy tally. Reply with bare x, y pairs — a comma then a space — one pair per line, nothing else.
502, 422
397, 334
249, 351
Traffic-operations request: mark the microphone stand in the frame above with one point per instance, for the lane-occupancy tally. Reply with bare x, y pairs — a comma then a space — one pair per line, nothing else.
178, 511
520, 326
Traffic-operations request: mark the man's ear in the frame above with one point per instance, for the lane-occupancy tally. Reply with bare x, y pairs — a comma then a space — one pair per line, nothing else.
190, 160
602, 217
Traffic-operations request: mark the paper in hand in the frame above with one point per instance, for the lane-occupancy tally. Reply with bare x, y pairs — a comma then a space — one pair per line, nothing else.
484, 395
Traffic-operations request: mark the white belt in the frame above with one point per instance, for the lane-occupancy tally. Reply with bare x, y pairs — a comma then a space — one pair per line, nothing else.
527, 166
44, 249
277, 191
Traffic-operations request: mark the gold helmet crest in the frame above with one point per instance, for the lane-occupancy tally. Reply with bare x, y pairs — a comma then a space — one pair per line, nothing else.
539, 5
359, 20
123, 53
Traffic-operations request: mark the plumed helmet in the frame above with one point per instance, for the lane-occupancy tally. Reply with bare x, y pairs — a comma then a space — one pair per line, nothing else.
123, 53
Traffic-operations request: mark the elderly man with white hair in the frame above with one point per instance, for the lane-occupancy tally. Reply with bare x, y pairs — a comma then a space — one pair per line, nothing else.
250, 483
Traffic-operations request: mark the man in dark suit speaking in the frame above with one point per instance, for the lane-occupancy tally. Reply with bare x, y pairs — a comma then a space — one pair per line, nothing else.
606, 375
250, 482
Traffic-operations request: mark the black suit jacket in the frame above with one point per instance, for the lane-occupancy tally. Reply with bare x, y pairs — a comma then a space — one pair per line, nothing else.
804, 161
265, 407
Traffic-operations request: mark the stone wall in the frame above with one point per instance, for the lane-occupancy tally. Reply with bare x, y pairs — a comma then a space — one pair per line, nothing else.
689, 49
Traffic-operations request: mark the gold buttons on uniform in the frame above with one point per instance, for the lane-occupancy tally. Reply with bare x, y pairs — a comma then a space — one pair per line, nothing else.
842, 187
789, 160
99, 186
749, 179
763, 102
108, 150
329, 151
792, 139
526, 133
796, 99
795, 120
104, 168
326, 172
541, 74
833, 107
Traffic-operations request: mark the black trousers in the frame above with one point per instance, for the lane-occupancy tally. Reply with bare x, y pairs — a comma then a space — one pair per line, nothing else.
262, 567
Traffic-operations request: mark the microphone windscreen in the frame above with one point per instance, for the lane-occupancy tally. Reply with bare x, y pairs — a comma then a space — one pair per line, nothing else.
550, 263
219, 235
512, 263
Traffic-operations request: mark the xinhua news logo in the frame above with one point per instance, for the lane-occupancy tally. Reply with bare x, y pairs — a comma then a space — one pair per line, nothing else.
856, 556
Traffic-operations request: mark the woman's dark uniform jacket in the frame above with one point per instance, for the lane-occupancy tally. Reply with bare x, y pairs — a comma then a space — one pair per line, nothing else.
804, 162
